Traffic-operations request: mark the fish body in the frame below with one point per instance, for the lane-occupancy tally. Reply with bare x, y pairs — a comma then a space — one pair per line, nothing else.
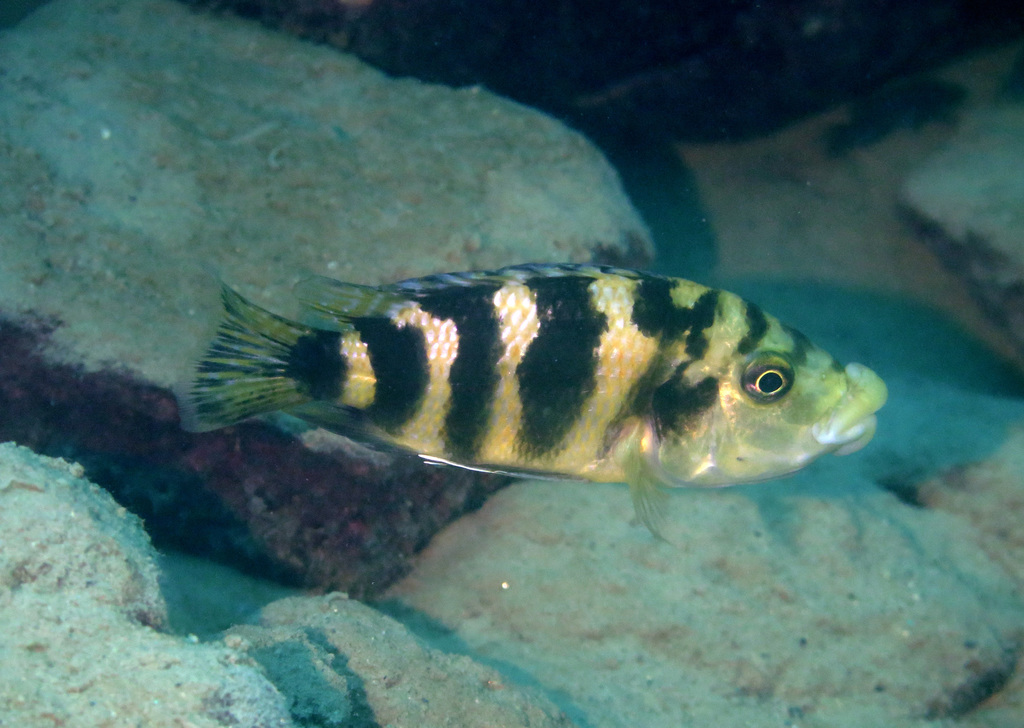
571, 371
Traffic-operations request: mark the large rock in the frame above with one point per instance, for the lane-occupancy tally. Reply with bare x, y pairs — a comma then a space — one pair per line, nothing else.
84, 639
968, 202
143, 143
82, 613
990, 496
759, 608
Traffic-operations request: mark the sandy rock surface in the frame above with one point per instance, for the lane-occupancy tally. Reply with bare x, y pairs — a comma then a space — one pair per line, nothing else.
81, 612
766, 610
343, 664
969, 200
990, 496
83, 640
142, 142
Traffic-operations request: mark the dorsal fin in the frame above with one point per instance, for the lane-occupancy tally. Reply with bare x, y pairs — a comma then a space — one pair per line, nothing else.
330, 304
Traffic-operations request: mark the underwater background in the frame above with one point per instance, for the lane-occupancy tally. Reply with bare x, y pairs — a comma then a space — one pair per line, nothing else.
852, 167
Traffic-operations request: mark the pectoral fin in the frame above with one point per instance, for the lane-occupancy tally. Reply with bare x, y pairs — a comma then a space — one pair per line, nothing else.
637, 457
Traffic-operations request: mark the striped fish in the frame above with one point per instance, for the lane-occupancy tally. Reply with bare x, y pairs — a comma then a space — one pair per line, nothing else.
568, 371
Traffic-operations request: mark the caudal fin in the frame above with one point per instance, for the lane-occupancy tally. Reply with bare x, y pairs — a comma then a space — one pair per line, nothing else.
248, 369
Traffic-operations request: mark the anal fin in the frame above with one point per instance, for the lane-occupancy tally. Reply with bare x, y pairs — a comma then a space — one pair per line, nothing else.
507, 470
346, 421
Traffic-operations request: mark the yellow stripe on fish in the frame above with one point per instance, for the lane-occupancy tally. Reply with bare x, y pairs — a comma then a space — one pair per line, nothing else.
360, 384
585, 372
516, 308
423, 432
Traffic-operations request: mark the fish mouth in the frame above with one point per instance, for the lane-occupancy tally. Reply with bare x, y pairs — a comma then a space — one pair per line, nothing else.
852, 423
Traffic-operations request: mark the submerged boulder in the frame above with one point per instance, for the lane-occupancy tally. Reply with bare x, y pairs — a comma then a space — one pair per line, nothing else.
83, 617
143, 144
86, 641
766, 608
968, 205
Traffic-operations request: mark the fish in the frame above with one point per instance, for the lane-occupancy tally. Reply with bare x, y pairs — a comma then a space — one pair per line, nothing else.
565, 371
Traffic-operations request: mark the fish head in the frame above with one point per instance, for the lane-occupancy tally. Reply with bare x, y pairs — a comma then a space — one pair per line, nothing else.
758, 415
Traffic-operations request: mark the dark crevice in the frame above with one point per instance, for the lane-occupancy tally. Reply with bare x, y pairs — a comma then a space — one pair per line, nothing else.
985, 679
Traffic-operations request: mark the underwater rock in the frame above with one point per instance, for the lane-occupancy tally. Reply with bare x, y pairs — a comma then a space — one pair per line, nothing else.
340, 663
783, 207
231, 494
82, 614
696, 70
760, 608
989, 495
967, 202
142, 144
904, 104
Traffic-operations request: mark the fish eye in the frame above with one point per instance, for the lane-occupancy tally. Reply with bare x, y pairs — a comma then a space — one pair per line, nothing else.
767, 378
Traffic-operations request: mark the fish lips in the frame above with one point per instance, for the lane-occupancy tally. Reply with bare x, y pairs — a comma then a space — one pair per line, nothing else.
851, 424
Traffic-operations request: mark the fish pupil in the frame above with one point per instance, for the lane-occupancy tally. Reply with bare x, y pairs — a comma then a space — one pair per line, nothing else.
770, 382
768, 378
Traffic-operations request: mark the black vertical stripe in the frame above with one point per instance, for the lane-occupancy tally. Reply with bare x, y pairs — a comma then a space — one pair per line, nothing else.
474, 373
801, 345
654, 311
703, 318
656, 314
757, 327
676, 403
316, 363
638, 401
557, 373
399, 360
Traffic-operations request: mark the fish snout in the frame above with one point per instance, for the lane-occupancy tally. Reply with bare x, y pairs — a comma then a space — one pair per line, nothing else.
851, 424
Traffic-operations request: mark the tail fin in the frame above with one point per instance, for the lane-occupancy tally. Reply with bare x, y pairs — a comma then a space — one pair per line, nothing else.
247, 369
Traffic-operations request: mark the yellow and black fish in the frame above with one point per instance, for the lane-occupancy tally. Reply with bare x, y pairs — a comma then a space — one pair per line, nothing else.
572, 371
